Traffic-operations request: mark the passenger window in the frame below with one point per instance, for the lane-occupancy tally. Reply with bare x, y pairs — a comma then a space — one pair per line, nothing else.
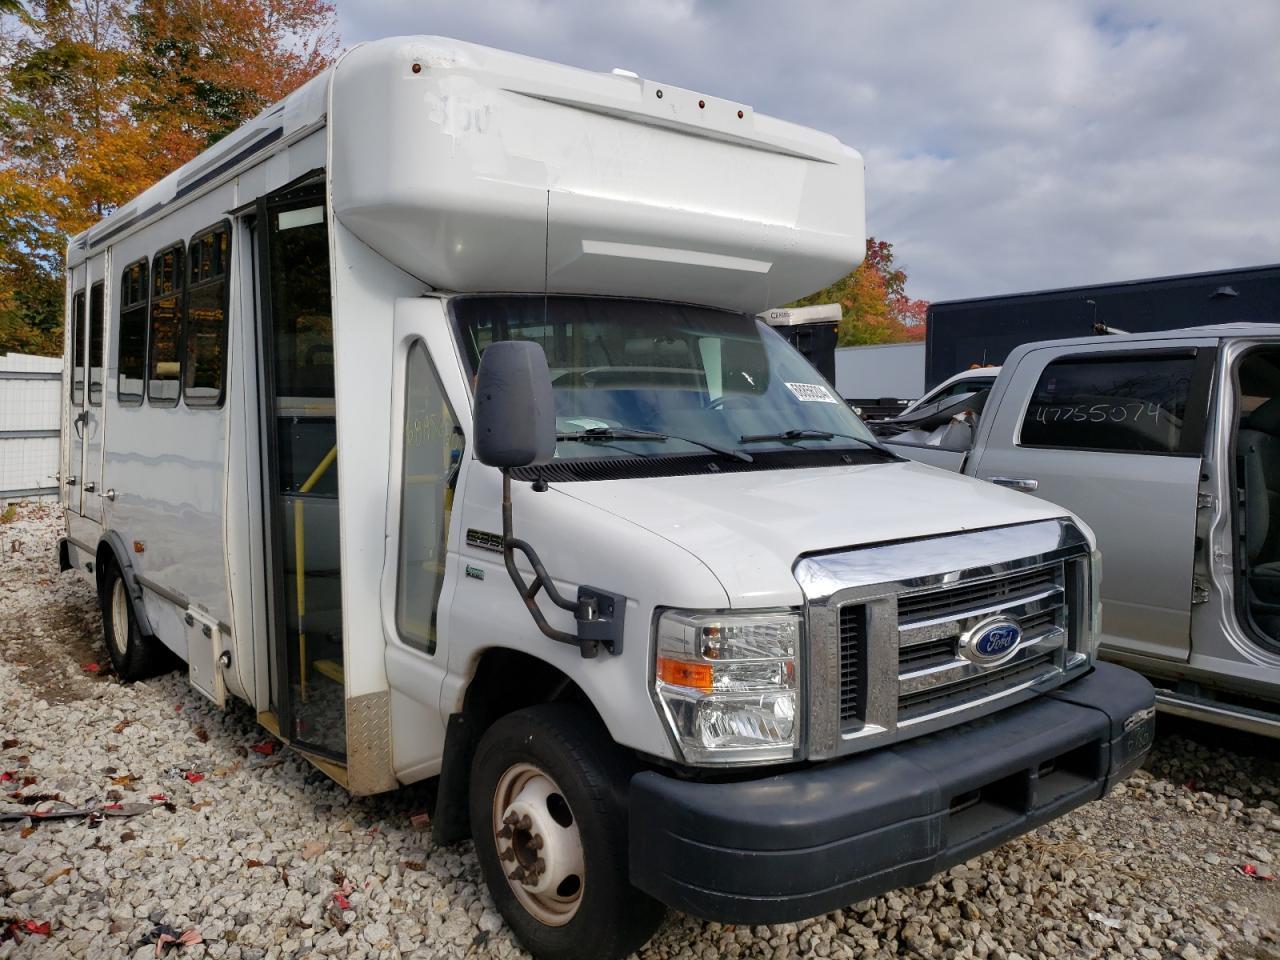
96, 373
131, 350
433, 447
165, 359
77, 349
205, 337
1125, 404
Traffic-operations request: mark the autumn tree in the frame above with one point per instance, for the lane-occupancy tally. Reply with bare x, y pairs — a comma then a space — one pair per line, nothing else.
101, 98
874, 302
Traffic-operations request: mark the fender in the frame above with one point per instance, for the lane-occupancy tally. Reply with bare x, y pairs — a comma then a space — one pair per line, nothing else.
112, 541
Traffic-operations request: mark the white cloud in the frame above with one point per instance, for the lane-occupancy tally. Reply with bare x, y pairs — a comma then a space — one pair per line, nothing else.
1009, 145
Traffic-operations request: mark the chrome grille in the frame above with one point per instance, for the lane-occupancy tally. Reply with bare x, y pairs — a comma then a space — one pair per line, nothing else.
933, 700
952, 601
890, 627
853, 647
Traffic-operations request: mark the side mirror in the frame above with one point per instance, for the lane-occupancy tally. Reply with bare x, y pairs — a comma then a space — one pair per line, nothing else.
515, 410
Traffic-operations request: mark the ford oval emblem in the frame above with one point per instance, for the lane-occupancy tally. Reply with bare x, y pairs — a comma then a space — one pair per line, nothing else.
993, 640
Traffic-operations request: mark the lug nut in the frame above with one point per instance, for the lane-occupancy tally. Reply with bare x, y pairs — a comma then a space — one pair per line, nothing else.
507, 855
504, 833
511, 819
517, 874
535, 842
525, 823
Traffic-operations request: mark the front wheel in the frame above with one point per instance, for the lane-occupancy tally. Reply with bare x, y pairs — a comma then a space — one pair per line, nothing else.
551, 835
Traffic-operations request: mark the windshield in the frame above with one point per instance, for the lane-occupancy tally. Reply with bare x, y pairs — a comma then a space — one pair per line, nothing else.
700, 377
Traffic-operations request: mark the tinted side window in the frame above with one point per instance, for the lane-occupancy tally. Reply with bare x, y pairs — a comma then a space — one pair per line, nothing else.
432, 455
131, 356
1132, 404
165, 361
205, 338
77, 349
96, 372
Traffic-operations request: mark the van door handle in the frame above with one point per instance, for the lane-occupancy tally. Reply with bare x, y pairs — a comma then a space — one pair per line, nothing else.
71, 481
1025, 484
90, 486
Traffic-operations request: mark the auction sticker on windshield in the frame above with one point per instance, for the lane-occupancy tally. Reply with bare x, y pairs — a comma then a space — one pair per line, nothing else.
812, 392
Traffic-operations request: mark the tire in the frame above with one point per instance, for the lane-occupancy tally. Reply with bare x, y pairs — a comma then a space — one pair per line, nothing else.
555, 767
133, 656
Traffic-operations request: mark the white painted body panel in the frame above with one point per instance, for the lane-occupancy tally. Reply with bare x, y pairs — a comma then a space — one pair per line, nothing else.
749, 528
490, 171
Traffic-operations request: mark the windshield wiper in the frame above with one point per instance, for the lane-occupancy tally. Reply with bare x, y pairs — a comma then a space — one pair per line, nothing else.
787, 436
628, 433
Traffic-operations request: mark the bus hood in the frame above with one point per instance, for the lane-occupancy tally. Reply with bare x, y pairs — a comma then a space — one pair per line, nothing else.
749, 528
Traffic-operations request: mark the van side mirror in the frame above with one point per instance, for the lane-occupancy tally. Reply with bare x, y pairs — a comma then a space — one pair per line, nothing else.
515, 420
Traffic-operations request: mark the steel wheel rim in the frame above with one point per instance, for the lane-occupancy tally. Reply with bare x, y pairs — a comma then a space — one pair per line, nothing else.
553, 893
119, 618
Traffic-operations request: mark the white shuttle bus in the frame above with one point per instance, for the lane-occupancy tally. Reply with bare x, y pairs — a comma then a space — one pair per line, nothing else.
428, 413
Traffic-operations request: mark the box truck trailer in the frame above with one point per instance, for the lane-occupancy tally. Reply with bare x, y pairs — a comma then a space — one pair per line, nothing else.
429, 413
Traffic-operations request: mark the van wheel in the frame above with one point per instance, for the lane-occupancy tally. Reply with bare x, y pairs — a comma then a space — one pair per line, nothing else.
134, 656
551, 834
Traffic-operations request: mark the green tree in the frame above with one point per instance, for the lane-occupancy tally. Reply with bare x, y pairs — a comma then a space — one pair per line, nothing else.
873, 300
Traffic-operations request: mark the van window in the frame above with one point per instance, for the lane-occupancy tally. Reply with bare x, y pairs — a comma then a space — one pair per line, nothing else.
131, 350
433, 446
165, 358
77, 349
1125, 404
96, 372
205, 338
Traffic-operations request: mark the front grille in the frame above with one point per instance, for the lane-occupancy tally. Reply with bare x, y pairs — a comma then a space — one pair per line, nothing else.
950, 601
922, 656
930, 627
934, 699
853, 651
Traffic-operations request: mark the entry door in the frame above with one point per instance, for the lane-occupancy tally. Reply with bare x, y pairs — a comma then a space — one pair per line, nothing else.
77, 399
96, 391
301, 451
1116, 437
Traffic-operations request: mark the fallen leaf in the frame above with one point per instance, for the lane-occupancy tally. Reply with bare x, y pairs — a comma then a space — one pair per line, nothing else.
201, 804
122, 726
266, 747
253, 864
90, 667
202, 734
342, 902
312, 849
114, 795
192, 777
177, 708
411, 865
8, 776
26, 832
420, 821
158, 798
126, 780
54, 877
9, 744
32, 927
128, 835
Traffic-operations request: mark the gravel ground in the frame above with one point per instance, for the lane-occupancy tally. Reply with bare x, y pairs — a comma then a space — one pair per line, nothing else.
267, 858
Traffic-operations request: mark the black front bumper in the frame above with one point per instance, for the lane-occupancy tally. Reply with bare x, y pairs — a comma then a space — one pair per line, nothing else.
802, 843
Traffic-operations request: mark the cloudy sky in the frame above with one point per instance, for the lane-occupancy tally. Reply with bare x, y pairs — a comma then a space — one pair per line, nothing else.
1009, 145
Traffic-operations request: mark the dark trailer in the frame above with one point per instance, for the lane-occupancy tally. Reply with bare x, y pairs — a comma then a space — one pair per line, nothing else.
983, 330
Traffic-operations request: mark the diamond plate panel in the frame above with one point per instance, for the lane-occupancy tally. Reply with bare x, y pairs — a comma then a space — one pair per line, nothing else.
369, 768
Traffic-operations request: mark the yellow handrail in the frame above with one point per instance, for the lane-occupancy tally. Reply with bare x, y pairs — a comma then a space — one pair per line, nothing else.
300, 564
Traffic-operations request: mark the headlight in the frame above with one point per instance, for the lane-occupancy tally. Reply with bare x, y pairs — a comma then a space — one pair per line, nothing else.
726, 683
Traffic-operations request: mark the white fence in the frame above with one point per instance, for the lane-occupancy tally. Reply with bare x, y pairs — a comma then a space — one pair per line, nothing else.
30, 414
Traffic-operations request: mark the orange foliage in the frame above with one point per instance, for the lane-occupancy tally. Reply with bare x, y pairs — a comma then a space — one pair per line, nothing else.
101, 98
874, 301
